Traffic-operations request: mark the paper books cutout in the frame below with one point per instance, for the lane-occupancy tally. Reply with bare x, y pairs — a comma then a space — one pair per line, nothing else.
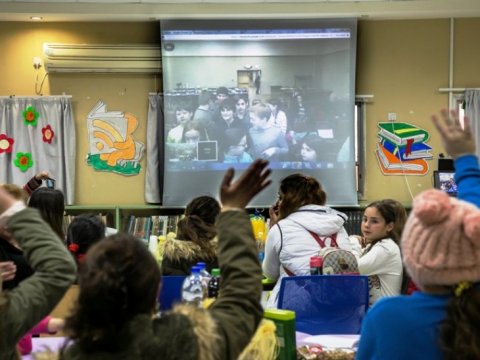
401, 149
416, 151
399, 132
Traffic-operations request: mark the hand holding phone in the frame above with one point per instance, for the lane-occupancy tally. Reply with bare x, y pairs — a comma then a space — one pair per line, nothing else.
50, 183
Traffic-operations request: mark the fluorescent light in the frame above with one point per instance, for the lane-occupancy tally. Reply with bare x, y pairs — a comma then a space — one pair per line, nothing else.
36, 18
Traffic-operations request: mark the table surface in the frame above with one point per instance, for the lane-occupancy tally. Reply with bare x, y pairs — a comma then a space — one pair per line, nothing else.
341, 341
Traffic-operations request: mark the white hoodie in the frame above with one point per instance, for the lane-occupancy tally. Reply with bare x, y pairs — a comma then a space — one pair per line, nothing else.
290, 245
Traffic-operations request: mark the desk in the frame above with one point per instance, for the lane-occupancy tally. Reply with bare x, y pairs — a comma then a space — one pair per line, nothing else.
41, 344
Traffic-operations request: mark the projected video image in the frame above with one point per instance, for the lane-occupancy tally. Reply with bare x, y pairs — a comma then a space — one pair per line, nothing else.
281, 90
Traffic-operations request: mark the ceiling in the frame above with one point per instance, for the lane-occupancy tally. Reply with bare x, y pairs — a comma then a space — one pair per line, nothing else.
152, 10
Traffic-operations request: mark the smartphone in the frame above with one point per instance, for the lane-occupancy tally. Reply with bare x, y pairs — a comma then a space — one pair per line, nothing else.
50, 183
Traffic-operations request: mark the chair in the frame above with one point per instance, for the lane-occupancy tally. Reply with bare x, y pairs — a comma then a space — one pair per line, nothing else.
170, 291
326, 304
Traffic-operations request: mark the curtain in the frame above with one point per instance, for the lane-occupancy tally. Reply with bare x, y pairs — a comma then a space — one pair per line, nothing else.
472, 110
155, 148
38, 134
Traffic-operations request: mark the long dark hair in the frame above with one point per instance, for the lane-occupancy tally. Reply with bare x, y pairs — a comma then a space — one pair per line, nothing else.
119, 280
84, 231
51, 204
198, 225
298, 190
460, 331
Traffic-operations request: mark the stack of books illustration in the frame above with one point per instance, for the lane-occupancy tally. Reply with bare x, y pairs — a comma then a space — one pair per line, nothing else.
401, 149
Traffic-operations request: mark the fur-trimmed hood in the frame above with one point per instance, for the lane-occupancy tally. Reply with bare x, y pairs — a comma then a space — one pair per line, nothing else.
178, 250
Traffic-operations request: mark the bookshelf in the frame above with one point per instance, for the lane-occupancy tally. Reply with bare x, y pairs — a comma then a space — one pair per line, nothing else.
119, 216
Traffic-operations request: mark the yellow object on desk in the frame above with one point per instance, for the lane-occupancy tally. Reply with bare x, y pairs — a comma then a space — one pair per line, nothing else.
263, 345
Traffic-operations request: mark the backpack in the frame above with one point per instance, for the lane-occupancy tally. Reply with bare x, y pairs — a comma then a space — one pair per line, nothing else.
338, 261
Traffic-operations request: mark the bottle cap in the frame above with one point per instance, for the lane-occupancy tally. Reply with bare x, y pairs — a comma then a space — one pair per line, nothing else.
316, 261
201, 265
195, 269
215, 272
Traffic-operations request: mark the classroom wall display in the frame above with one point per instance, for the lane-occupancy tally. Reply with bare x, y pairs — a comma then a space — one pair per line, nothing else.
401, 149
112, 146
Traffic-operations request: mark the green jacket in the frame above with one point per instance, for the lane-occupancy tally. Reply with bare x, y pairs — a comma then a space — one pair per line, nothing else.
23, 307
222, 331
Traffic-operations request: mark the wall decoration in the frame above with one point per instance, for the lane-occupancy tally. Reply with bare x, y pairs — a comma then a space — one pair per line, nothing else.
48, 134
23, 161
111, 142
30, 116
401, 149
6, 144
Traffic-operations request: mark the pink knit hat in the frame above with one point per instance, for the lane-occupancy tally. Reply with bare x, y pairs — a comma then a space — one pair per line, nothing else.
441, 240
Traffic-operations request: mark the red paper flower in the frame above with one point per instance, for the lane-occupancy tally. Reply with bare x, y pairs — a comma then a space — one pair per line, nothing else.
48, 134
30, 115
6, 144
23, 161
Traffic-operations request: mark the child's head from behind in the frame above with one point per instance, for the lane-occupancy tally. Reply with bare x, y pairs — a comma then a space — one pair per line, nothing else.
118, 280
378, 221
199, 220
17, 192
297, 190
51, 204
441, 240
84, 231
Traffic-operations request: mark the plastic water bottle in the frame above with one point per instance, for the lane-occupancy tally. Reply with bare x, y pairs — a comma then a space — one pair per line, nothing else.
193, 290
204, 273
316, 263
214, 283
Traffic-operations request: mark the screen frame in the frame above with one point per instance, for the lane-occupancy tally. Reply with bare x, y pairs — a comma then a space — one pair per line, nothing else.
437, 182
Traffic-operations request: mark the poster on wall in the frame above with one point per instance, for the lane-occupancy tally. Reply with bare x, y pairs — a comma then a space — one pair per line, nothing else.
112, 146
401, 149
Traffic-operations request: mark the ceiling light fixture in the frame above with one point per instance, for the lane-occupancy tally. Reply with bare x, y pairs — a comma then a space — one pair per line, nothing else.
36, 18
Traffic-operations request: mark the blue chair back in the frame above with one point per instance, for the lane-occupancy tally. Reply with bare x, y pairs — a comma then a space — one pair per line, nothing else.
170, 291
325, 304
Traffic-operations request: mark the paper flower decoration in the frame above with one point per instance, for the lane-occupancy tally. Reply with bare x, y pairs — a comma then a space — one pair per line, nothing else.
48, 134
23, 161
30, 115
6, 144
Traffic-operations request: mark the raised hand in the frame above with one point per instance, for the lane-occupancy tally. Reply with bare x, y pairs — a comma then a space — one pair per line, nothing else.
42, 175
7, 270
238, 194
455, 140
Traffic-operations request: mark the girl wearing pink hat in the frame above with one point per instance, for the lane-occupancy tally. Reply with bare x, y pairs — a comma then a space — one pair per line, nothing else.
441, 249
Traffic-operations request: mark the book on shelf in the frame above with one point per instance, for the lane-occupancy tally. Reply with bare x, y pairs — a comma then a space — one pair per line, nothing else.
391, 165
401, 133
159, 225
417, 150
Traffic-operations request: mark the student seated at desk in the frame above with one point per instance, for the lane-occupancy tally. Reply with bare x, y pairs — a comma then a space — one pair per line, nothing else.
196, 240
302, 225
119, 285
377, 251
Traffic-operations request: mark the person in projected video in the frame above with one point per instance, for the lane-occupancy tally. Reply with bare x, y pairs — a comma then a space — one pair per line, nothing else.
311, 148
235, 146
265, 140
226, 120
241, 110
183, 113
